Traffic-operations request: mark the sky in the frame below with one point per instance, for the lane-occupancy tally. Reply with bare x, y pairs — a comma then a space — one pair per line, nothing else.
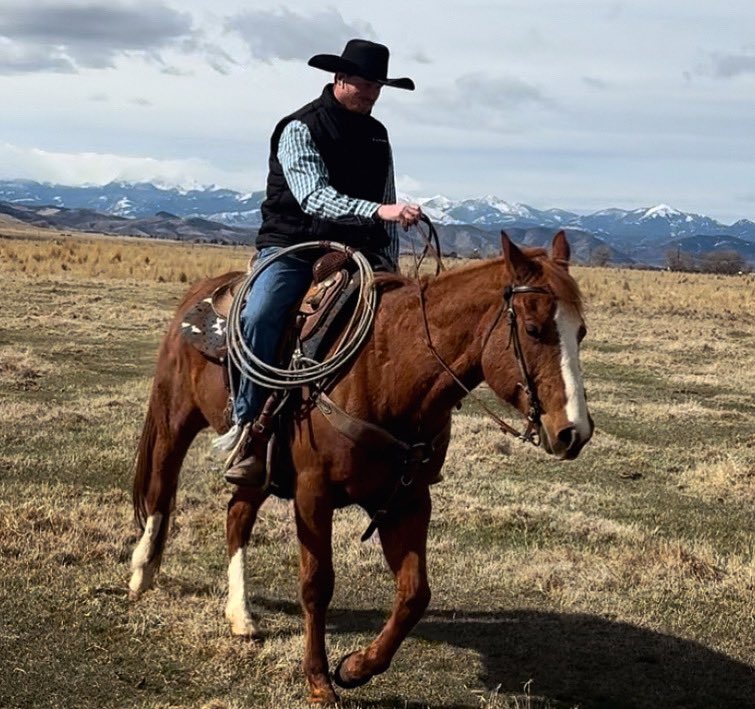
553, 103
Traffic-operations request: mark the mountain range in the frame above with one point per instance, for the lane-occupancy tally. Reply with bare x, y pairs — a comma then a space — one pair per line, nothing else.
466, 227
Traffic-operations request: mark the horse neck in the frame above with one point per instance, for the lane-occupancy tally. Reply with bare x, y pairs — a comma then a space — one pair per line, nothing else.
460, 307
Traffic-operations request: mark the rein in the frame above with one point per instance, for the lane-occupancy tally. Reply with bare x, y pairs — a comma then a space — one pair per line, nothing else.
530, 434
432, 246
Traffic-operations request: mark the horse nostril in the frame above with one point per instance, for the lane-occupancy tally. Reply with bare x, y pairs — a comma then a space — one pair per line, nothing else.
567, 436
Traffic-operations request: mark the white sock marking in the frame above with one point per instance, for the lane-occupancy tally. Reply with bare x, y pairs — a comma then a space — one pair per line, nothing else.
236, 610
142, 574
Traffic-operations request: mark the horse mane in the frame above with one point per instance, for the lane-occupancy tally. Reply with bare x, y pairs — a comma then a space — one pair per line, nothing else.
556, 274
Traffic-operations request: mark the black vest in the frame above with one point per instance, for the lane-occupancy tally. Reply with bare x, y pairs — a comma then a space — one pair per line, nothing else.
356, 151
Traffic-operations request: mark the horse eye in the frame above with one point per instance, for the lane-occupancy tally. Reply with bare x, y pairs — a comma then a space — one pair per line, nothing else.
532, 330
581, 333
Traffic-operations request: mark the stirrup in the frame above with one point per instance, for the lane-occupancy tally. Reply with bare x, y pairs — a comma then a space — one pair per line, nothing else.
237, 449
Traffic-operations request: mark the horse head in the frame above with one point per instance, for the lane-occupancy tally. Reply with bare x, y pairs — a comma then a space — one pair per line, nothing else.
540, 327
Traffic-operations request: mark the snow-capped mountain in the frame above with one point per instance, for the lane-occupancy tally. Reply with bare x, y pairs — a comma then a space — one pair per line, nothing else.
488, 211
469, 225
137, 200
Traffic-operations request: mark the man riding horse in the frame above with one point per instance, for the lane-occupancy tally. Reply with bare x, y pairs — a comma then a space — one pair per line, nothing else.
330, 178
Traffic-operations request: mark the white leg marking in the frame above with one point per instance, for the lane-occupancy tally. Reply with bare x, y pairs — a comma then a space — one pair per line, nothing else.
568, 324
143, 572
236, 610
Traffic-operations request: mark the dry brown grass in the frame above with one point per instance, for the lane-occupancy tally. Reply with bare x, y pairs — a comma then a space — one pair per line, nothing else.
555, 585
37, 252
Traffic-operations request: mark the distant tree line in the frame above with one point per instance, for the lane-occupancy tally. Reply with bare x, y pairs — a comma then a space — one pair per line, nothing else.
726, 262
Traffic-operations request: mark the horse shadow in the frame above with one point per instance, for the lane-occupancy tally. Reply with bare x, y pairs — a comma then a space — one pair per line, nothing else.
572, 659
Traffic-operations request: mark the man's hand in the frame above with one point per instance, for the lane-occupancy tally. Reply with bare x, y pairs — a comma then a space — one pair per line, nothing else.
405, 214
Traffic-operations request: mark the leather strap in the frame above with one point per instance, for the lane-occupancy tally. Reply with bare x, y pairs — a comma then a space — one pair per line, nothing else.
410, 457
367, 434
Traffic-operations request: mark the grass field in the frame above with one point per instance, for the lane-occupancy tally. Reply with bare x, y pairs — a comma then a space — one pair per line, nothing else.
623, 579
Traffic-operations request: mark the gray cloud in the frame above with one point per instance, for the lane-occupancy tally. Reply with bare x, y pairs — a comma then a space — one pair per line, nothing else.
18, 59
58, 35
421, 58
285, 35
594, 83
478, 100
725, 66
171, 70
496, 93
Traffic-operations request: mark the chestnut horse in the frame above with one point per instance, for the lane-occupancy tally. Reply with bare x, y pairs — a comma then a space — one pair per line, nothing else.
400, 384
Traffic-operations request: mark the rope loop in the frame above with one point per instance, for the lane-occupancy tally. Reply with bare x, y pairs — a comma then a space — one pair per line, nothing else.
306, 371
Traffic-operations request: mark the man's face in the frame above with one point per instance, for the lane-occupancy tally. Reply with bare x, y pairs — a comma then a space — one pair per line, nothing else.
355, 93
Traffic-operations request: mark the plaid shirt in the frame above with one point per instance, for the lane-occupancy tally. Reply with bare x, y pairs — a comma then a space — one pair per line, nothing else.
307, 177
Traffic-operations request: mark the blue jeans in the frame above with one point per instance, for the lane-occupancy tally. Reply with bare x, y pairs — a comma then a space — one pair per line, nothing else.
267, 310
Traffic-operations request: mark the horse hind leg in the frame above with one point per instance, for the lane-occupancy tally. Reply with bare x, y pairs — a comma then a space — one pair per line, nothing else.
145, 560
161, 452
242, 514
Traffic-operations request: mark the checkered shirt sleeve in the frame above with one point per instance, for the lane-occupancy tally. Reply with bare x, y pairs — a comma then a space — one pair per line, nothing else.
307, 177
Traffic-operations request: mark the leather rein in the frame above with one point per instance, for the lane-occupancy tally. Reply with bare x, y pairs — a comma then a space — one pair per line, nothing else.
534, 409
530, 434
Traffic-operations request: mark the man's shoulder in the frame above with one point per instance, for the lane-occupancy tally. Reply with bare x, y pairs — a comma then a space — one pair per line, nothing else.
306, 110
300, 115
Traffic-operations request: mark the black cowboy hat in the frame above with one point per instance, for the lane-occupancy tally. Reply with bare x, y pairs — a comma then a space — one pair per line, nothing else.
363, 58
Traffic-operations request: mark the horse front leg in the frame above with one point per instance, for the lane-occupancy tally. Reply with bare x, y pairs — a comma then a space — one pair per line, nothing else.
314, 527
404, 540
242, 514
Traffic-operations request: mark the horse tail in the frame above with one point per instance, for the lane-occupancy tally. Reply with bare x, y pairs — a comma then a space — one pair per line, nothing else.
143, 467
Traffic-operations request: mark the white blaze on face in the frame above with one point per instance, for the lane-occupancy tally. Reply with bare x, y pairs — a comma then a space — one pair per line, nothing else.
568, 323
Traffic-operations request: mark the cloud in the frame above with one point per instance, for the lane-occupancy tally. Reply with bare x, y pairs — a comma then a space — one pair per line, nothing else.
406, 184
594, 83
100, 168
60, 35
19, 59
478, 100
726, 66
172, 70
286, 35
421, 58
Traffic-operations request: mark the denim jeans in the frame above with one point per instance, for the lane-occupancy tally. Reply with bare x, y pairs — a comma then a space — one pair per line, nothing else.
266, 314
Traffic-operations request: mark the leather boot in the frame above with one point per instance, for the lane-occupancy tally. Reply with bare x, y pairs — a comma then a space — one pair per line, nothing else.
247, 464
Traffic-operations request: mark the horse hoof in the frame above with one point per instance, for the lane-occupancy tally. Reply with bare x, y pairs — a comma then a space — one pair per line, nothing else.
342, 681
323, 696
250, 635
134, 596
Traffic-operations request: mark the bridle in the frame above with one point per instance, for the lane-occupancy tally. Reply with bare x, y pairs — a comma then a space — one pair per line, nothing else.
534, 408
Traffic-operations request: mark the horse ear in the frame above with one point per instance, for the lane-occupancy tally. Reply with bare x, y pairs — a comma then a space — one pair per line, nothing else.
560, 250
518, 263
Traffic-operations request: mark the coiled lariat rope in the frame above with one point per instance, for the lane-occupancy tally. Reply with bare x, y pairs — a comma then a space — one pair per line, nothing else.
303, 370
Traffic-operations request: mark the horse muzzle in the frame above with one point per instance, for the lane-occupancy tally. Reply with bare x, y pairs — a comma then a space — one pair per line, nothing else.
567, 442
